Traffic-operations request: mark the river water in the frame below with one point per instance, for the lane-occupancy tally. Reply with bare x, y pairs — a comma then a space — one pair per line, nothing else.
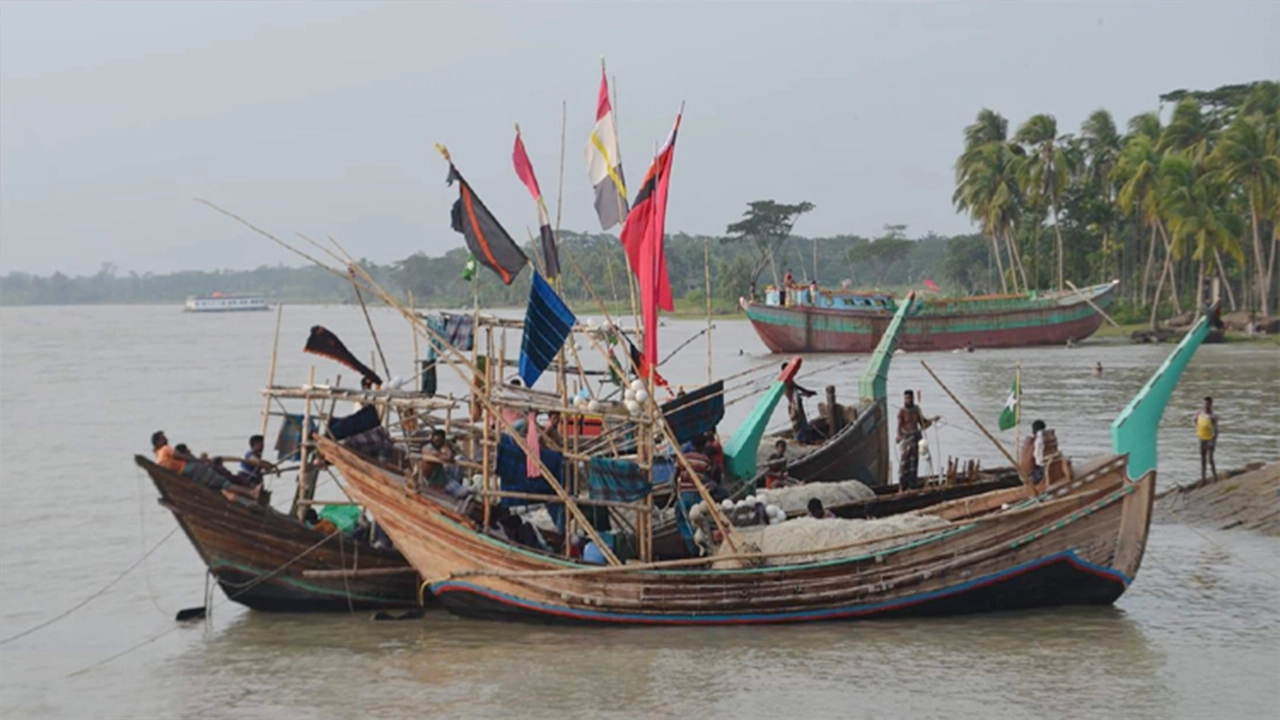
82, 388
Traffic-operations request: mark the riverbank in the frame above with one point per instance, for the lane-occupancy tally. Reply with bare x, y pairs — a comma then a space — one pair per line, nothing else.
1111, 334
1248, 499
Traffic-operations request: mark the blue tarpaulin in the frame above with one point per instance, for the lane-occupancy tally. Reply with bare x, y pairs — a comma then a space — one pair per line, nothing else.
547, 323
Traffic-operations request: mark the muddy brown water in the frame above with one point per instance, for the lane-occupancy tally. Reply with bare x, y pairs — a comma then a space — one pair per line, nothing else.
82, 388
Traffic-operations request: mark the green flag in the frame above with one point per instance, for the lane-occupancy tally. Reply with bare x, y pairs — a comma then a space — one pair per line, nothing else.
1012, 405
469, 270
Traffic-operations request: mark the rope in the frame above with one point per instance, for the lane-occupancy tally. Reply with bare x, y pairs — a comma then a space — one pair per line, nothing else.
86, 601
260, 579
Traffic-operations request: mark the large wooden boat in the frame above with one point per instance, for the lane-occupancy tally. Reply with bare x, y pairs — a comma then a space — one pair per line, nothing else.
267, 560
1081, 541
854, 322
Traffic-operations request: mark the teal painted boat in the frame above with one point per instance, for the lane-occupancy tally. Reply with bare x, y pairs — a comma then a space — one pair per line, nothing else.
839, 321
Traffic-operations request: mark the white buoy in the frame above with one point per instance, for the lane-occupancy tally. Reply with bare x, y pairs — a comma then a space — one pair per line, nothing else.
642, 395
750, 500
637, 385
633, 407
595, 406
771, 511
762, 497
727, 504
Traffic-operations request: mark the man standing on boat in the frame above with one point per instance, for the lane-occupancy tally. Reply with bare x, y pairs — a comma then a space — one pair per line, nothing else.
911, 426
1207, 433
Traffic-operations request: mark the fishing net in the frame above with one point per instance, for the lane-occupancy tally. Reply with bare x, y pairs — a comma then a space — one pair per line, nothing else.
804, 535
796, 499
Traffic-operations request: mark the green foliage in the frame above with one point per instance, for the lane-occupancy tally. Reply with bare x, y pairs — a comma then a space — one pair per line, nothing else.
767, 226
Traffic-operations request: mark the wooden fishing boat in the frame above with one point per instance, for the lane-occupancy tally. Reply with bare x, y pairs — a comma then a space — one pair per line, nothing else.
860, 450
1081, 541
854, 322
267, 560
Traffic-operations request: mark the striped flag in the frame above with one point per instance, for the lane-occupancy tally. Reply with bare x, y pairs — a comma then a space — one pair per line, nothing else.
604, 162
642, 237
524, 169
488, 242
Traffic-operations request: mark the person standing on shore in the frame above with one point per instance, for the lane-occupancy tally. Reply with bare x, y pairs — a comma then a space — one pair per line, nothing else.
1207, 433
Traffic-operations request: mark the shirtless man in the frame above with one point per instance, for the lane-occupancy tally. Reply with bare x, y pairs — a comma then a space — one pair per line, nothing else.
911, 426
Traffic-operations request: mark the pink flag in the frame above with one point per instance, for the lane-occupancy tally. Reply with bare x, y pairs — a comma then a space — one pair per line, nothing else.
931, 285
535, 448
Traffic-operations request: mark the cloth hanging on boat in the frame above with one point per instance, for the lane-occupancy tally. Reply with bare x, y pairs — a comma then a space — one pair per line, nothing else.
289, 440
547, 323
325, 344
460, 330
429, 381
617, 480
434, 323
697, 412
511, 467
366, 418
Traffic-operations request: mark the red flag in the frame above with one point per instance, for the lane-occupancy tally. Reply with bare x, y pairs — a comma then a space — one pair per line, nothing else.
931, 285
524, 169
642, 236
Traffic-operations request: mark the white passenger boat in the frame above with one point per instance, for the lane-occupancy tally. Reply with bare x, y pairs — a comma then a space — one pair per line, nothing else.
219, 302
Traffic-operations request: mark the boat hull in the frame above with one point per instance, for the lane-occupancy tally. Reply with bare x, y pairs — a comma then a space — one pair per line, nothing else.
262, 558
1081, 545
936, 327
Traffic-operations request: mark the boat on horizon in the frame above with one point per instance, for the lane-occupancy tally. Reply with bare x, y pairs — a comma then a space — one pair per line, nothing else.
800, 320
223, 302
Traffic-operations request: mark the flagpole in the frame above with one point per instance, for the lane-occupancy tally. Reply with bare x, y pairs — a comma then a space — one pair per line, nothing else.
706, 266
1017, 408
562, 383
613, 118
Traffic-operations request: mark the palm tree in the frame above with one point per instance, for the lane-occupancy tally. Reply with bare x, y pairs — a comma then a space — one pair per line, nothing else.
1147, 124
1248, 156
1102, 151
1195, 206
987, 189
1046, 171
1136, 173
983, 188
1187, 131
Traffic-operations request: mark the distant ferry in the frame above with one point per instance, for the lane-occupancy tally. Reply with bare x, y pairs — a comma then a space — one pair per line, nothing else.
219, 302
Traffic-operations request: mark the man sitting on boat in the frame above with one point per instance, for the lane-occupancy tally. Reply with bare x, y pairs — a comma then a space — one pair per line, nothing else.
252, 466
776, 466
182, 461
911, 426
439, 465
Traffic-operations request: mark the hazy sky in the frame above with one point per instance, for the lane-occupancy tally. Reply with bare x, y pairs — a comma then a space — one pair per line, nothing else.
320, 117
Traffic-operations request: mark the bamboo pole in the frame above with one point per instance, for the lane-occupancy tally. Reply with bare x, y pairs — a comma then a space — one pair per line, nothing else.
271, 372
1094, 305
706, 266
304, 455
1025, 480
369, 321
417, 364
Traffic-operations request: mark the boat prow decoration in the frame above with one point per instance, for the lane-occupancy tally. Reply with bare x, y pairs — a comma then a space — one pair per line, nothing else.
740, 451
1134, 431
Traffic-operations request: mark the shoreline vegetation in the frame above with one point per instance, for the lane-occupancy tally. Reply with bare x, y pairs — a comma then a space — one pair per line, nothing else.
1176, 200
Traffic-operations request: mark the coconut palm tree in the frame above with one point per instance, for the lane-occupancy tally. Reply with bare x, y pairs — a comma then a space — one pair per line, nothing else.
1187, 131
987, 190
1248, 156
1046, 172
1147, 124
1196, 208
1136, 174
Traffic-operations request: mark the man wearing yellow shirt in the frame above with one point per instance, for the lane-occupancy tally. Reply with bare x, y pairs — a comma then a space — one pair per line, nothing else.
1207, 432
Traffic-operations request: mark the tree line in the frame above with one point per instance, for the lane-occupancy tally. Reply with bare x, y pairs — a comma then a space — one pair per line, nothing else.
1162, 207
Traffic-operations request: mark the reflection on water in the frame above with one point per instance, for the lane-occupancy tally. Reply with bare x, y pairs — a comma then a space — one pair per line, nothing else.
82, 388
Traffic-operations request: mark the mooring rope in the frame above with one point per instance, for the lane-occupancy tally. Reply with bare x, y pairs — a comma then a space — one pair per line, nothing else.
87, 600
260, 579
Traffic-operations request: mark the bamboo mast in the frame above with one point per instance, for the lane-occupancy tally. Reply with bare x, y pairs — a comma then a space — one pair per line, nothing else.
706, 266
622, 200
1031, 488
271, 372
306, 475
